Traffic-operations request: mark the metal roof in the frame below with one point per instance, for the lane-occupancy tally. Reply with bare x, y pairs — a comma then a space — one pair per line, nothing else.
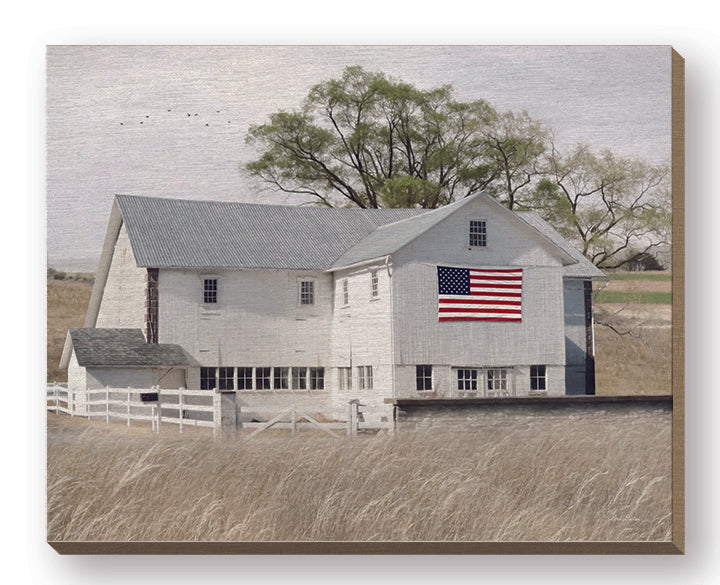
583, 268
179, 233
124, 348
182, 233
389, 238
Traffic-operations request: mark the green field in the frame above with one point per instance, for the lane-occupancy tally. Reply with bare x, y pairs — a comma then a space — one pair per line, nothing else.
634, 297
639, 276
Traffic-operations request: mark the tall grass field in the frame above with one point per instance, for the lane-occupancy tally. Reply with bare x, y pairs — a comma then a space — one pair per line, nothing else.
509, 475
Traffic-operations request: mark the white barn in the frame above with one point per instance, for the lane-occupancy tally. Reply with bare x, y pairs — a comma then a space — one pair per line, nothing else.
316, 306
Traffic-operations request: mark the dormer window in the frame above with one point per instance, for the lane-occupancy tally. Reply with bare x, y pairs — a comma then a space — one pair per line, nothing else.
478, 233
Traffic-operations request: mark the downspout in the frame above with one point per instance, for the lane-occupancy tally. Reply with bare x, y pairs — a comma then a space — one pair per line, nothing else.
589, 338
388, 268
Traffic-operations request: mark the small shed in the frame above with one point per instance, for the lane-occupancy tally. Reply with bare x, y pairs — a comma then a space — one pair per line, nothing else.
118, 358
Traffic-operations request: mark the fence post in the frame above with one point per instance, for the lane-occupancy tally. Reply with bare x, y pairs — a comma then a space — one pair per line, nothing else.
293, 420
107, 404
352, 427
224, 412
180, 408
159, 411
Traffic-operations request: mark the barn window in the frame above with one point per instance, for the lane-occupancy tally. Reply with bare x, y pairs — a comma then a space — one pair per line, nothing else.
423, 378
345, 294
317, 378
207, 379
467, 380
280, 378
538, 379
497, 381
299, 378
262, 378
245, 378
374, 283
345, 378
478, 233
365, 377
307, 292
210, 291
225, 378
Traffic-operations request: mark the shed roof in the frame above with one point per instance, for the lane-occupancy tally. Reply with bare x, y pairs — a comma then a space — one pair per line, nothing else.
121, 348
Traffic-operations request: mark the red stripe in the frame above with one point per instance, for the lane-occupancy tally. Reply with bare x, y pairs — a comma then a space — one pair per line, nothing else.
488, 294
489, 270
486, 286
473, 310
479, 319
474, 301
484, 278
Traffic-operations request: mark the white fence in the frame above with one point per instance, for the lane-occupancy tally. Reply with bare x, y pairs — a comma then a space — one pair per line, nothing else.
200, 408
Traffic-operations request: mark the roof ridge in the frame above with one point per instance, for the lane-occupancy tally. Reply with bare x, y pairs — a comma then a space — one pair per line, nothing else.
273, 205
444, 212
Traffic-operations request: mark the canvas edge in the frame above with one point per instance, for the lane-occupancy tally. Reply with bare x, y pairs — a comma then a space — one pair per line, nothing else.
678, 299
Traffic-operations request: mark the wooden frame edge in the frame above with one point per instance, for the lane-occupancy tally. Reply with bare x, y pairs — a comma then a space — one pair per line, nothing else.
373, 548
678, 299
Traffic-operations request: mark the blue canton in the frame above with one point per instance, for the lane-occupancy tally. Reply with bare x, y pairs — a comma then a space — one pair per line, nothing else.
453, 281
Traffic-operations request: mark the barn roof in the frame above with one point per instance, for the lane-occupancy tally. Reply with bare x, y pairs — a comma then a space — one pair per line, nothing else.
583, 268
389, 238
182, 233
178, 233
121, 348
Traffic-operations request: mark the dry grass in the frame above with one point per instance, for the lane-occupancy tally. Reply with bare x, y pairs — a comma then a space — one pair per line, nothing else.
627, 365
512, 475
67, 302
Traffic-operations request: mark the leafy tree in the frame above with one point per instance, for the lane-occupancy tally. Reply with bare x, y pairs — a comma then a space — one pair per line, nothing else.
617, 209
514, 144
371, 141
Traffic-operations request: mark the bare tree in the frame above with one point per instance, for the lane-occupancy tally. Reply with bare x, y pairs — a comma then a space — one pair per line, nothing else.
616, 209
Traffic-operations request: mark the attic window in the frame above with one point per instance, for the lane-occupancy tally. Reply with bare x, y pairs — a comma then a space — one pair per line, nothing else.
210, 290
478, 233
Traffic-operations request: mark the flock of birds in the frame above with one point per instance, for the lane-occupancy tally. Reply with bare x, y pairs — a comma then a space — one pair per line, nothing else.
187, 115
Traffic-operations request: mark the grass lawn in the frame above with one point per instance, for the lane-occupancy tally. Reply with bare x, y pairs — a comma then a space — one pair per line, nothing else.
655, 276
636, 297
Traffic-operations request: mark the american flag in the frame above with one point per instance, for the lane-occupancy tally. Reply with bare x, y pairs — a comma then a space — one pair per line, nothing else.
470, 294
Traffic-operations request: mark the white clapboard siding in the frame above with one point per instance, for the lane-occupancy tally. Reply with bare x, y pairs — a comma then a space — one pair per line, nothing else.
123, 300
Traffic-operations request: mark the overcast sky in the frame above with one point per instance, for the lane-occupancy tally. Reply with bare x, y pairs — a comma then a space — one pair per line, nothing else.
171, 121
